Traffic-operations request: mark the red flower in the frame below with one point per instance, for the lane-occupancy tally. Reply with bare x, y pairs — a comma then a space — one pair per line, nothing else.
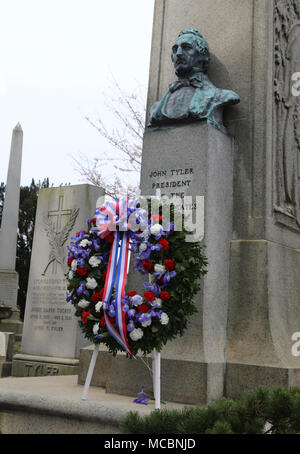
112, 320
160, 281
149, 296
70, 260
143, 308
165, 244
133, 293
81, 231
85, 316
97, 296
156, 217
110, 237
148, 265
103, 322
82, 271
93, 220
169, 265
165, 296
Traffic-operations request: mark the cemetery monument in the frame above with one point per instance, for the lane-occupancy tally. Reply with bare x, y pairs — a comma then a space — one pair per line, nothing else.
51, 338
246, 165
8, 235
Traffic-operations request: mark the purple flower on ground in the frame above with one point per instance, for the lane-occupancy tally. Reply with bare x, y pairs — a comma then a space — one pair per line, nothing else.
142, 397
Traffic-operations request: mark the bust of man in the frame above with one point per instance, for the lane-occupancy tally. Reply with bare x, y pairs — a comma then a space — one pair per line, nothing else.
192, 97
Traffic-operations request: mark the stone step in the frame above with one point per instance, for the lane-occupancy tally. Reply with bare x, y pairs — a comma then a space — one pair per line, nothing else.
53, 405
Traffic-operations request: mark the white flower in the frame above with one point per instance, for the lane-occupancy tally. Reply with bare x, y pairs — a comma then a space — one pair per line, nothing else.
98, 306
159, 268
143, 247
147, 323
70, 275
83, 304
157, 302
84, 243
156, 229
94, 261
136, 300
74, 265
91, 283
96, 328
136, 334
164, 319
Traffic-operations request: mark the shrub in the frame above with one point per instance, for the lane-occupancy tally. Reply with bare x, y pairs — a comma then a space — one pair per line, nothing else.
274, 411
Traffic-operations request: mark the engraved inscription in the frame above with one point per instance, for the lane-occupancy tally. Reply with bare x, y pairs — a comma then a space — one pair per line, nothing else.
286, 113
8, 288
48, 312
171, 182
40, 369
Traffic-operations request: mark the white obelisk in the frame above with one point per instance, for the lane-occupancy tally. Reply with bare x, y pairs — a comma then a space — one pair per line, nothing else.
10, 214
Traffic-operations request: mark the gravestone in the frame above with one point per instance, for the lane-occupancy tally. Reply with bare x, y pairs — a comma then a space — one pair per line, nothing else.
52, 338
8, 235
6, 353
249, 331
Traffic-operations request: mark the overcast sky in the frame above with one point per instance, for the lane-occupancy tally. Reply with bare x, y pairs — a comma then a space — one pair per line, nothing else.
56, 62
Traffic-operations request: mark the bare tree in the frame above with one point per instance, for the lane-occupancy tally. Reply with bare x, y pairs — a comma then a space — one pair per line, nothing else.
125, 140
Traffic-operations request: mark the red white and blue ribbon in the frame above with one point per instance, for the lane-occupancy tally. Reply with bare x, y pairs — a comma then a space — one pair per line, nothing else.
110, 217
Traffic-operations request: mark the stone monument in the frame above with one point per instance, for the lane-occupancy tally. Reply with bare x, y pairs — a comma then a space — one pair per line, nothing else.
243, 334
52, 339
187, 152
8, 235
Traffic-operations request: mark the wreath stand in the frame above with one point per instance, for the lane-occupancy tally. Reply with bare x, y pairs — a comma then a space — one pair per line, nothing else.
156, 363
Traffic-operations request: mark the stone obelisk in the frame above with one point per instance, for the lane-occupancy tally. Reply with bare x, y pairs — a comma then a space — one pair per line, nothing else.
9, 224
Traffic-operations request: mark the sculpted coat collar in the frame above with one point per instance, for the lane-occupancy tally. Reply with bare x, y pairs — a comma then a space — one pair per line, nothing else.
195, 80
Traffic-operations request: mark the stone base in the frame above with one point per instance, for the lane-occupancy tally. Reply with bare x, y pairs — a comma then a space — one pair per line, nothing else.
187, 382
38, 366
13, 324
53, 405
245, 378
5, 368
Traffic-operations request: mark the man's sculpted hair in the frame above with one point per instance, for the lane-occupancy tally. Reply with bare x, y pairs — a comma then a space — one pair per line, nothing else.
201, 45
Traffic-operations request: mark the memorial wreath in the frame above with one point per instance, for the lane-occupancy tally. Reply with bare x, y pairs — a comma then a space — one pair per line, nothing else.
98, 261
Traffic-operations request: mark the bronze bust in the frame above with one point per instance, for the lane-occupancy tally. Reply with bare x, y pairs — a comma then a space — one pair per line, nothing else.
192, 97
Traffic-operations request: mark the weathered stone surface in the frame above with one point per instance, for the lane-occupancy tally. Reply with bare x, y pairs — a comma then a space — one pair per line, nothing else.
201, 156
264, 304
50, 327
9, 223
6, 353
43, 405
34, 366
255, 49
9, 287
187, 382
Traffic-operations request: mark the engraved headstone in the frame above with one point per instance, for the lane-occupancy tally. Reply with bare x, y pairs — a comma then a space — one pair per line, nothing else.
51, 337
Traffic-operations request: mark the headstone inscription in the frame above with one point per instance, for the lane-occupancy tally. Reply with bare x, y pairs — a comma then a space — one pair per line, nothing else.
52, 338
